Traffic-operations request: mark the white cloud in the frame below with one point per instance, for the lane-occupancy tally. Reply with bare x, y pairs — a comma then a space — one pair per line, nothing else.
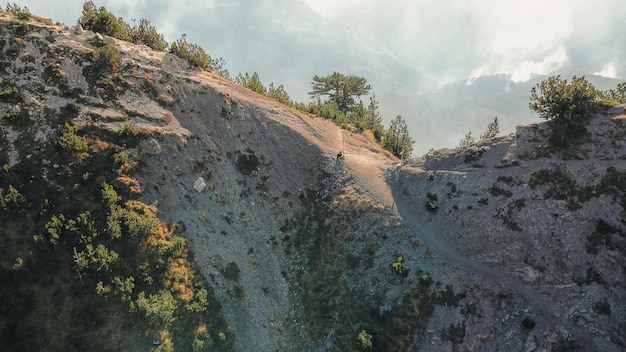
449, 40
608, 70
522, 70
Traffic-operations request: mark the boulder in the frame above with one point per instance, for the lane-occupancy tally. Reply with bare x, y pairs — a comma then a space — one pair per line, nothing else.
199, 184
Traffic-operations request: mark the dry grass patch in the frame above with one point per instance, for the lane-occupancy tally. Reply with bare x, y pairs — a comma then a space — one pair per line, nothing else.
349, 200
131, 183
97, 143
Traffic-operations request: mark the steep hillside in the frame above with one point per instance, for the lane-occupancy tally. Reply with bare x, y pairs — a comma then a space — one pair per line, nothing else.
548, 225
147, 205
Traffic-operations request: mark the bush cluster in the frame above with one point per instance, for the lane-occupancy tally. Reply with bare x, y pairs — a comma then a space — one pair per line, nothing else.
100, 20
108, 57
19, 12
73, 143
195, 55
567, 105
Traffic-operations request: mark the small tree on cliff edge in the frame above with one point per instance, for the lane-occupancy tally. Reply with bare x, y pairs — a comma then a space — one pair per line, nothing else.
397, 138
567, 106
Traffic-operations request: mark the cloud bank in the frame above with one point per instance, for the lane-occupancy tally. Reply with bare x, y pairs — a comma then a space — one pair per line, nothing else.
445, 40
430, 61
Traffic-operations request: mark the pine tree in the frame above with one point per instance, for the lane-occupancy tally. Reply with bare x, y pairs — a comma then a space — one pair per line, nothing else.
340, 89
397, 138
492, 130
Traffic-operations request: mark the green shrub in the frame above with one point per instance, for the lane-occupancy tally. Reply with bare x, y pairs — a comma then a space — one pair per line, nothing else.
279, 94
399, 267
254, 84
109, 195
19, 263
365, 340
72, 142
21, 13
198, 344
158, 308
140, 225
196, 56
567, 106
199, 303
193, 53
397, 138
58, 226
108, 57
11, 95
127, 129
617, 95
12, 199
431, 207
146, 34
120, 158
124, 287
100, 257
102, 21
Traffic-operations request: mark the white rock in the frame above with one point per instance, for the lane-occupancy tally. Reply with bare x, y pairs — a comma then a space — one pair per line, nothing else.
199, 184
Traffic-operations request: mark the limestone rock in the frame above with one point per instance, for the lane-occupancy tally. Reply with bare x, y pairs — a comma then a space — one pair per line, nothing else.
199, 185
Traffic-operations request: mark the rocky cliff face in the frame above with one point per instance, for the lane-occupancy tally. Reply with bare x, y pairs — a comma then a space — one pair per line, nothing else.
499, 246
548, 225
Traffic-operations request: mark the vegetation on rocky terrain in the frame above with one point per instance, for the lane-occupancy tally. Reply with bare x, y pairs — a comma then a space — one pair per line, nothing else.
147, 204
88, 263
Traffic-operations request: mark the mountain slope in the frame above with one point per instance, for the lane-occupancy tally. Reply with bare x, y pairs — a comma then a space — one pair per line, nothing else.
547, 225
294, 248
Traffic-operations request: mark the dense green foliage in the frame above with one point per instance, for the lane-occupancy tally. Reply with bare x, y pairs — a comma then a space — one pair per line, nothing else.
467, 140
253, 82
397, 138
342, 107
108, 57
72, 142
195, 55
365, 340
340, 89
102, 21
121, 256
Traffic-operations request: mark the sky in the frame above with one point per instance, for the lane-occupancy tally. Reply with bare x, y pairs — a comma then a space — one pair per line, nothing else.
409, 50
